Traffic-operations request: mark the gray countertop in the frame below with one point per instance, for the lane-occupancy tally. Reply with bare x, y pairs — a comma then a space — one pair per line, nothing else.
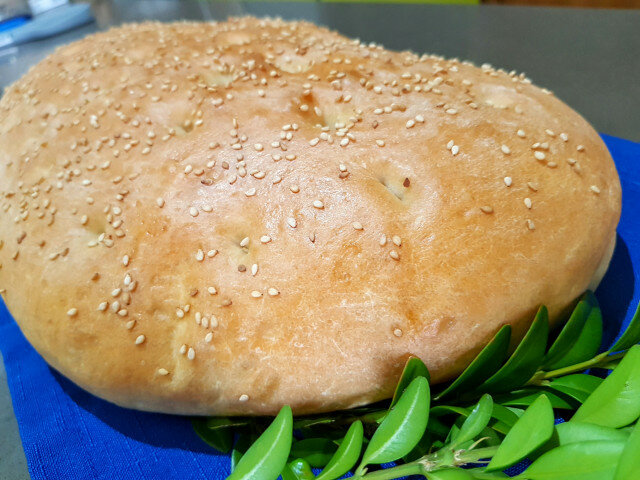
589, 58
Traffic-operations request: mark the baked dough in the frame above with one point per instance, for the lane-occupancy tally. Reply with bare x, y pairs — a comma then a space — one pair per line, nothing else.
222, 218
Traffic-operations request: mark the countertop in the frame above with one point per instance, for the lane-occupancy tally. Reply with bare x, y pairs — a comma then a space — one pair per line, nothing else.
589, 58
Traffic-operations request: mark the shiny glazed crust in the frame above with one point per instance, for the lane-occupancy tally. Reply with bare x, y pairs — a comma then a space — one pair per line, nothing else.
225, 218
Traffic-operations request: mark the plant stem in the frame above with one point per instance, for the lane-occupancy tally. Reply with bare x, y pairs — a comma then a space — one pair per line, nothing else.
469, 456
578, 367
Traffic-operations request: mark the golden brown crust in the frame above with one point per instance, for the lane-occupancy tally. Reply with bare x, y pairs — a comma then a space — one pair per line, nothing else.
391, 204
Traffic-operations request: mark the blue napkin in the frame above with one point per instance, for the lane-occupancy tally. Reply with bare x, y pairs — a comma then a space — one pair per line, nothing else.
69, 434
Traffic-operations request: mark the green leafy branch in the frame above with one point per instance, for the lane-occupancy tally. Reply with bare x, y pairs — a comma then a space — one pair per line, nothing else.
497, 412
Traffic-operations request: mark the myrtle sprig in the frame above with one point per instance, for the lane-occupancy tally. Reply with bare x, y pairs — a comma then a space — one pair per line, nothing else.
497, 412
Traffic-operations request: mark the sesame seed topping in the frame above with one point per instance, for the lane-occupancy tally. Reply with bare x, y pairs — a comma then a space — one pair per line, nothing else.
72, 312
292, 222
314, 141
103, 306
163, 372
419, 119
455, 149
508, 181
380, 143
539, 155
251, 192
383, 240
506, 150
256, 294
191, 353
294, 188
527, 202
212, 290
580, 148
393, 254
530, 224
397, 332
521, 133
193, 211
594, 189
486, 209
140, 339
410, 123
254, 269
244, 242
357, 226
318, 204
160, 202
208, 337
273, 292
243, 398
199, 255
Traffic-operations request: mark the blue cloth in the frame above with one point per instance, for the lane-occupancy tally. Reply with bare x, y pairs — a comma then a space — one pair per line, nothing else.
69, 434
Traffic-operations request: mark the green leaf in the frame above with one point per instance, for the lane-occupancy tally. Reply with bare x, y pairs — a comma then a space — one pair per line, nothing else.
616, 402
316, 451
214, 423
569, 334
527, 396
347, 454
242, 444
403, 427
526, 359
631, 335
221, 438
592, 460
505, 417
483, 366
299, 423
574, 432
266, 458
532, 430
629, 463
412, 369
477, 420
297, 470
450, 474
586, 344
578, 386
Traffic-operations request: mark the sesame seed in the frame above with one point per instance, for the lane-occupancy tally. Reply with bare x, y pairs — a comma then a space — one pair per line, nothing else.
199, 255
212, 290
397, 332
532, 186
294, 188
357, 226
273, 292
123, 312
140, 339
103, 306
393, 254
508, 181
506, 150
258, 147
130, 324
191, 353
256, 294
530, 224
243, 398
580, 148
208, 337
160, 202
539, 155
380, 143
254, 269
410, 123
419, 118
450, 144
183, 349
116, 292
193, 211
318, 204
397, 241
292, 222
455, 149
314, 141
244, 242
251, 192
564, 137
344, 142
383, 240
527, 202
179, 313
594, 189
163, 371
486, 209
72, 312
212, 253
521, 133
